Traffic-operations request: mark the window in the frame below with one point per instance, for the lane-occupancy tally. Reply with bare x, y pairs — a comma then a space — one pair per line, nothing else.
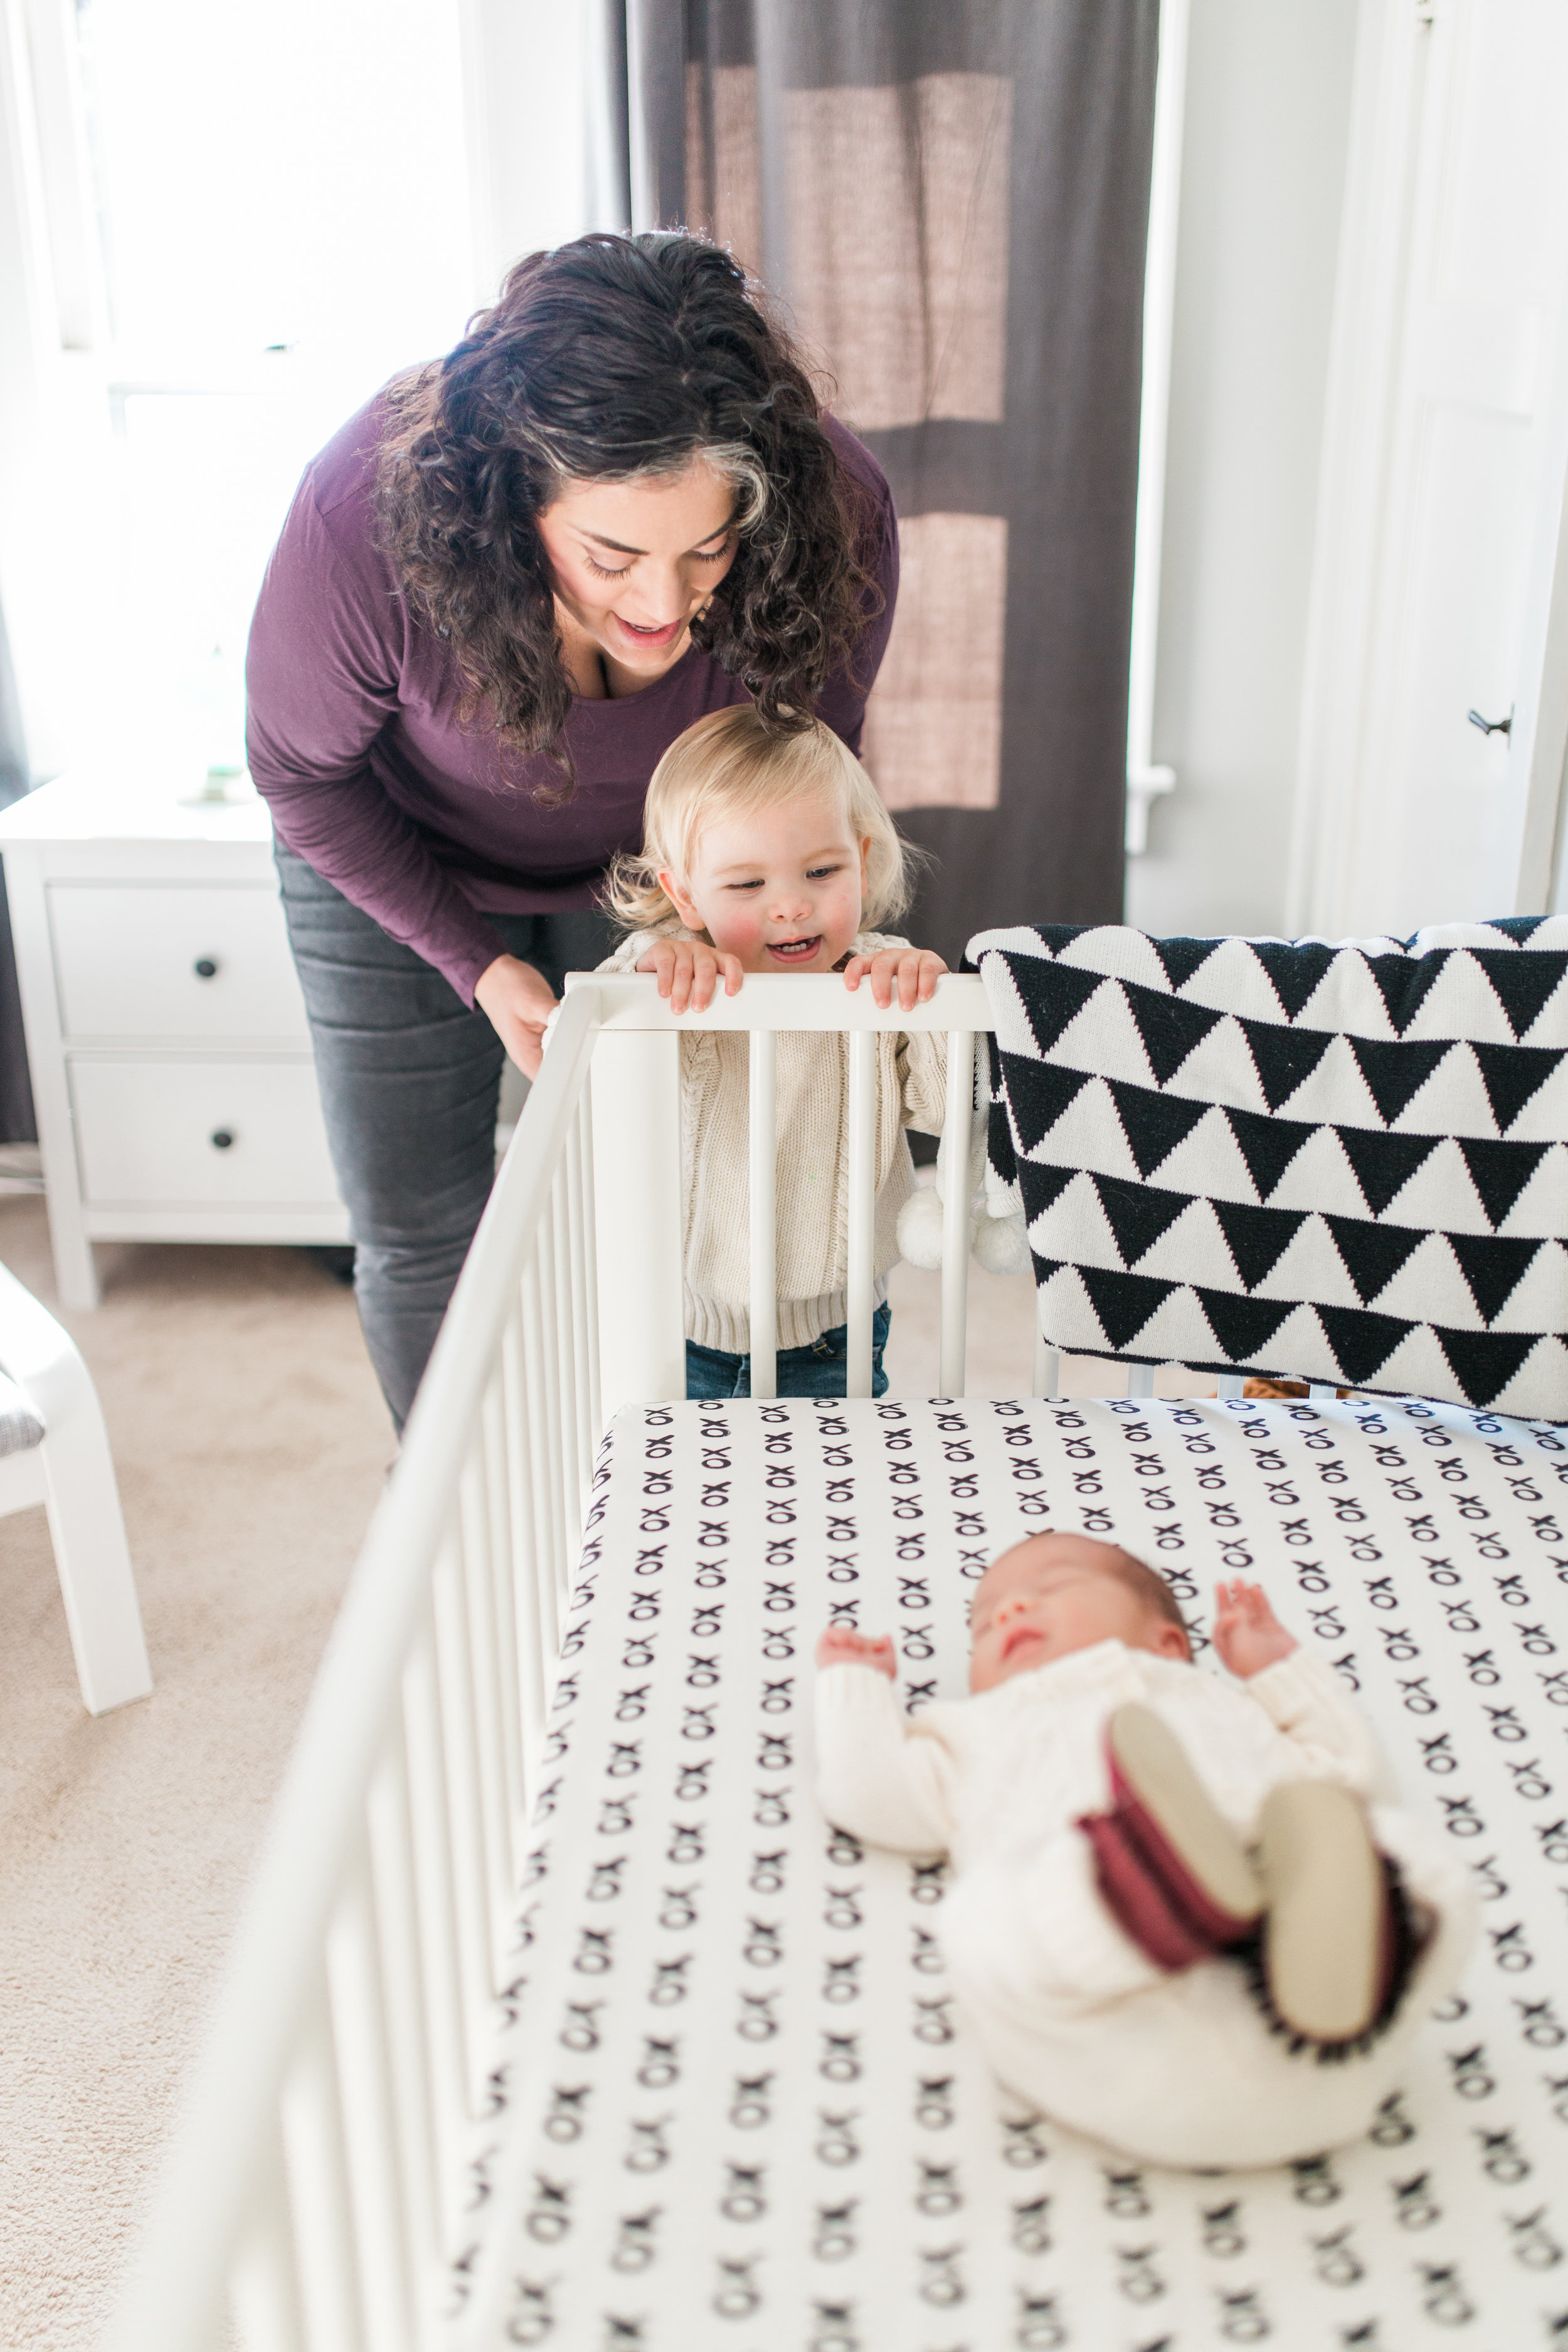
239, 220
283, 201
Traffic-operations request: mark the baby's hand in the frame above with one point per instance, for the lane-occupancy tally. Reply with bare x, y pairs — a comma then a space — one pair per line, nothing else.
914, 971
687, 970
1246, 1634
842, 1646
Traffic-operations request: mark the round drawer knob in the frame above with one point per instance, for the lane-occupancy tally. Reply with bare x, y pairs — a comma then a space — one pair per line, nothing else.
221, 1139
205, 967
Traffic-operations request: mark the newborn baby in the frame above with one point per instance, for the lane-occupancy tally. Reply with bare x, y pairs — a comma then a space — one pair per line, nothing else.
1176, 1896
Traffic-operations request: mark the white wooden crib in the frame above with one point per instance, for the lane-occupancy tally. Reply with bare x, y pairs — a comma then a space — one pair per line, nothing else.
312, 2187
319, 2195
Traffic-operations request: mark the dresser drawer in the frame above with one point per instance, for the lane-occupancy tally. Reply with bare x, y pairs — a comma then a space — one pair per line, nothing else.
147, 961
204, 1133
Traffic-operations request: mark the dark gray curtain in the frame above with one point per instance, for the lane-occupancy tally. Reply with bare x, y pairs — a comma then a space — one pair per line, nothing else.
951, 198
17, 1124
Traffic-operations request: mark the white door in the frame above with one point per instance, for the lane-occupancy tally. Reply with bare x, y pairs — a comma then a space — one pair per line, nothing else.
1440, 537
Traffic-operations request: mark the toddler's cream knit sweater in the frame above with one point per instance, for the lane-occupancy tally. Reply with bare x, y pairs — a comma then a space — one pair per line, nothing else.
812, 1163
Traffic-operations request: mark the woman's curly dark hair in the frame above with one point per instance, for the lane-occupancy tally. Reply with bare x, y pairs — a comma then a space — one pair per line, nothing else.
610, 358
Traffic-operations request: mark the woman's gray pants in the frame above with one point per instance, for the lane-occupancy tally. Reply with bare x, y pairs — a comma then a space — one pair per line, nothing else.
410, 1079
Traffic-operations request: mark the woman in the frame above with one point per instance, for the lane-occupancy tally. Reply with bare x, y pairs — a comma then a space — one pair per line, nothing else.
502, 591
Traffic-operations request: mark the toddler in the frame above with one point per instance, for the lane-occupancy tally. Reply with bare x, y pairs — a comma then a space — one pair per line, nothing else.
1175, 1899
770, 852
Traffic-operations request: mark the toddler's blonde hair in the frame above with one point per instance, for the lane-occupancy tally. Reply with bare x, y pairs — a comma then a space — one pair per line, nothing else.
729, 765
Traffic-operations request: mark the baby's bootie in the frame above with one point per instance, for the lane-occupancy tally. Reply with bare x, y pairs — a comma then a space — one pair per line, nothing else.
1178, 1880
1174, 1875
1328, 1941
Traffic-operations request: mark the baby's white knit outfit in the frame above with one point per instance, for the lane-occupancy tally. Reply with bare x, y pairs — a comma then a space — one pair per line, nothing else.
812, 1163
1180, 2069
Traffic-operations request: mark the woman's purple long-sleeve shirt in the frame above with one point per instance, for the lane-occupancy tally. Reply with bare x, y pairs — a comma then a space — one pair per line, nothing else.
354, 741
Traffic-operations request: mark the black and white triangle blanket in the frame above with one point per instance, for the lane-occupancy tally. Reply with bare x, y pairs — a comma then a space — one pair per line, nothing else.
1337, 1163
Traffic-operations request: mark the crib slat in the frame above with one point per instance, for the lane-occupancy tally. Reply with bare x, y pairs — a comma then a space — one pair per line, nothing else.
577, 1293
479, 1640
638, 1212
411, 2008
454, 2055
1140, 1380
590, 1274
549, 1334
956, 1121
454, 1684
862, 1207
1047, 1369
525, 1560
764, 1215
264, 2283
369, 2117
1229, 1384
565, 1205
523, 1555
565, 1355
319, 2186
540, 1492
503, 1605
576, 1337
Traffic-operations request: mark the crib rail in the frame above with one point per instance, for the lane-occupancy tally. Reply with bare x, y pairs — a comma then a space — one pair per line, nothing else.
647, 1344
309, 2198
312, 2187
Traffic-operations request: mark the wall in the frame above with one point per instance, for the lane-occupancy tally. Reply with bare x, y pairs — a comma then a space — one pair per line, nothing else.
1268, 88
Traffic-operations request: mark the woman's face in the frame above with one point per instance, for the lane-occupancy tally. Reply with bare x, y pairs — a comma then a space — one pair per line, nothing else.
634, 562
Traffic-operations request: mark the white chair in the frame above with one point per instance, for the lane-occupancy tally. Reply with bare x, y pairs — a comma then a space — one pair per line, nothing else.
54, 1450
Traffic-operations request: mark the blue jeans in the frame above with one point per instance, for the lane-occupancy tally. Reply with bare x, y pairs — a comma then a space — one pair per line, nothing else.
818, 1370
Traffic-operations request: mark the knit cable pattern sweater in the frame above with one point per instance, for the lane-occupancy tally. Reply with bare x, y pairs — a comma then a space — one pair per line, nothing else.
811, 1164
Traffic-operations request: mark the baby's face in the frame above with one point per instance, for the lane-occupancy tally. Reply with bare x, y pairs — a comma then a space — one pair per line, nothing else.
1050, 1596
781, 889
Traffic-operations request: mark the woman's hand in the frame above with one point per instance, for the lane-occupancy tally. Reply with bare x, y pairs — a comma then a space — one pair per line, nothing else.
687, 970
1246, 1634
842, 1646
913, 972
518, 1001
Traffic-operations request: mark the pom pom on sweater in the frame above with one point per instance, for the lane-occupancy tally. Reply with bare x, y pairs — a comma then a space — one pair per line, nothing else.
998, 1236
920, 1229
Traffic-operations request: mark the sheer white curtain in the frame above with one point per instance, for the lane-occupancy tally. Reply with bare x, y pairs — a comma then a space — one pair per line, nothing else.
221, 228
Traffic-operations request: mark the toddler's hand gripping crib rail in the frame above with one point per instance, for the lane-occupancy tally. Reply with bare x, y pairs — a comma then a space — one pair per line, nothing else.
312, 2191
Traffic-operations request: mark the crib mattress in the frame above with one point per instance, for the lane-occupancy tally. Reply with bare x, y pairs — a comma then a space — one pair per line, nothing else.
734, 2103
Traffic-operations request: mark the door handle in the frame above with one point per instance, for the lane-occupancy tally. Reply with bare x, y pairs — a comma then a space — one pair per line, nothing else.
1491, 726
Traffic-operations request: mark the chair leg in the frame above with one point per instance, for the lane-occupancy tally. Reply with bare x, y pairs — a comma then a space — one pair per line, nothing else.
82, 1500
91, 1551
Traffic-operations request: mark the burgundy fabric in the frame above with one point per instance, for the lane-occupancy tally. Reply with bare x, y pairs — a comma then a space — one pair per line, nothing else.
1206, 1918
353, 737
1137, 1899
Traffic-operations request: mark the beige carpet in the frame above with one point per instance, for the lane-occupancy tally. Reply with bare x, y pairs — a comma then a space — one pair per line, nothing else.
251, 1445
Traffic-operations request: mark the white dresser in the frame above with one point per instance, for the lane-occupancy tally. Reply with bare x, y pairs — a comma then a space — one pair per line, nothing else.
166, 1034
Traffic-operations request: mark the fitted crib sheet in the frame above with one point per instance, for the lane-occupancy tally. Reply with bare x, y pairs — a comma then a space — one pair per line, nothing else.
733, 2102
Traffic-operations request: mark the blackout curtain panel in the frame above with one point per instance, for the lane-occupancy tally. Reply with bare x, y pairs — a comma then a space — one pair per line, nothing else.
950, 197
16, 1121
